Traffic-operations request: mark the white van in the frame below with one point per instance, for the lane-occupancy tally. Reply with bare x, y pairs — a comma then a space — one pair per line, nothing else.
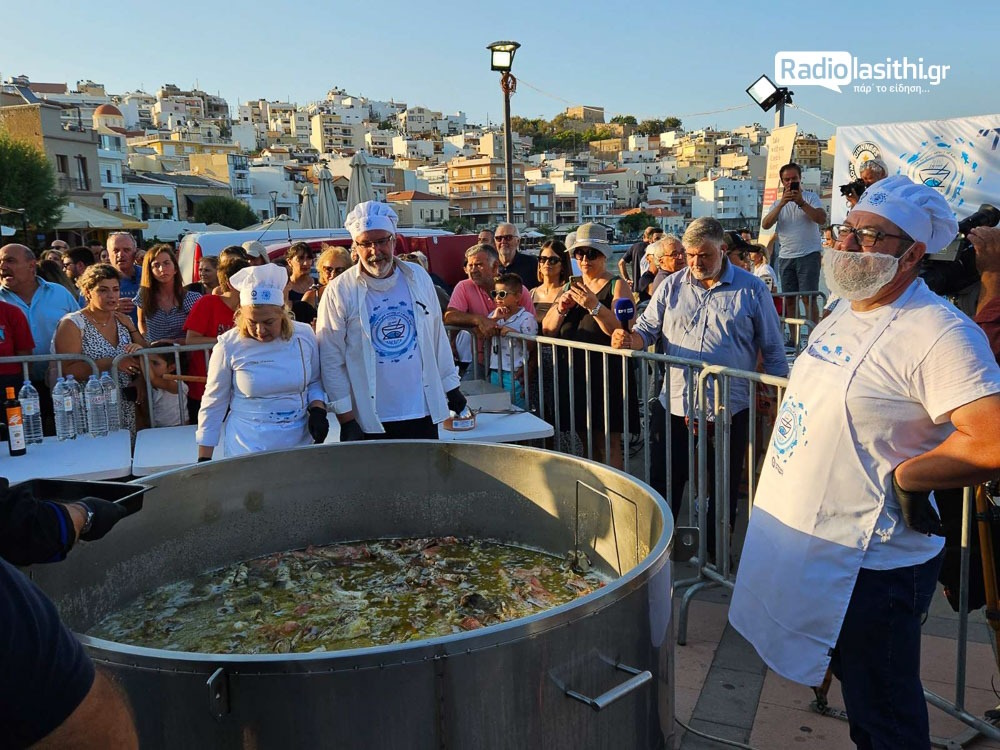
198, 245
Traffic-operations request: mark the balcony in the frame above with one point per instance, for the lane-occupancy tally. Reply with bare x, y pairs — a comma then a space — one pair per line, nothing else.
73, 184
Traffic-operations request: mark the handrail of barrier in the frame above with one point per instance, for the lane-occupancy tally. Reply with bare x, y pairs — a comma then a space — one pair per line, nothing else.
161, 351
26, 360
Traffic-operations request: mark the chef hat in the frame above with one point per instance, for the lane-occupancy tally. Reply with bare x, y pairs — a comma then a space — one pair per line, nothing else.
370, 215
261, 285
918, 210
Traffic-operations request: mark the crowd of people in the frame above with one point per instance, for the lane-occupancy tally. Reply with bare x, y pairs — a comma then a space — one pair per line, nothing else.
898, 391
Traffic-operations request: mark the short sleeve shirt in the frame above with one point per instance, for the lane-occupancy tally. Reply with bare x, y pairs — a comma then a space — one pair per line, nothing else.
15, 336
799, 235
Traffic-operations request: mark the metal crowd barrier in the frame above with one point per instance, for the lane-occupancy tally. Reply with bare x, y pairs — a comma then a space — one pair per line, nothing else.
807, 305
162, 351
765, 393
29, 359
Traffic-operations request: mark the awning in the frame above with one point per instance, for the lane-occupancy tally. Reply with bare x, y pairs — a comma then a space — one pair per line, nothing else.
83, 216
196, 199
156, 201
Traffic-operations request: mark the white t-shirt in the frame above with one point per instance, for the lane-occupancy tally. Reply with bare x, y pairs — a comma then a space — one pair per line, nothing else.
928, 362
799, 235
167, 409
765, 273
393, 331
511, 351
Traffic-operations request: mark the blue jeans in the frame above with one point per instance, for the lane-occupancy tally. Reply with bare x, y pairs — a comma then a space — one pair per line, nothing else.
800, 274
877, 657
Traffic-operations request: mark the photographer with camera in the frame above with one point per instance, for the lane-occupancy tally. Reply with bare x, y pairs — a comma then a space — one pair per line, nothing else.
852, 191
986, 241
798, 215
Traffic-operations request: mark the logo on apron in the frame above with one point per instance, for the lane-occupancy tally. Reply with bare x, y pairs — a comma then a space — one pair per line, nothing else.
789, 431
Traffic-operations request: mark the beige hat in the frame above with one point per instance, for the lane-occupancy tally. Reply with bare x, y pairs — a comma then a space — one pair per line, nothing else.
594, 236
256, 249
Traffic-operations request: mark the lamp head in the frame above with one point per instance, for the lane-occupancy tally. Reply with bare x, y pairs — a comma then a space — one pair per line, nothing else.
502, 55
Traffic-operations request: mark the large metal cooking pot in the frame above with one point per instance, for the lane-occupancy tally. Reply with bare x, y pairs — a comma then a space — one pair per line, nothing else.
594, 673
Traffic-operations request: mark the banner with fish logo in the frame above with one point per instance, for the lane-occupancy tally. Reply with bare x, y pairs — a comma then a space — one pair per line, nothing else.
959, 157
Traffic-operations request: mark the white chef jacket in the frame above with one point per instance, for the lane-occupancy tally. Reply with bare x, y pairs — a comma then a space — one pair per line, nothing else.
348, 356
267, 386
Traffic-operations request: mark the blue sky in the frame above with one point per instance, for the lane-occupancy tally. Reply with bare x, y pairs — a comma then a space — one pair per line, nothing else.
649, 59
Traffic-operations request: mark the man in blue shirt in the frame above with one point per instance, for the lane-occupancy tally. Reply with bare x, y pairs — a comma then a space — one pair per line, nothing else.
43, 304
716, 313
121, 252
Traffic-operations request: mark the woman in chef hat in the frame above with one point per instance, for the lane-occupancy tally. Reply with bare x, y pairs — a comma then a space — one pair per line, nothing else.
265, 371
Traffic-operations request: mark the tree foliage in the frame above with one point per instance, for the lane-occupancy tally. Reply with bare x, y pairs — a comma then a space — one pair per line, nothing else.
28, 181
221, 209
562, 133
457, 224
634, 224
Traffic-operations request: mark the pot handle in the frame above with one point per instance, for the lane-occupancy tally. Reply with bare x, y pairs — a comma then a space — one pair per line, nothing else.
638, 679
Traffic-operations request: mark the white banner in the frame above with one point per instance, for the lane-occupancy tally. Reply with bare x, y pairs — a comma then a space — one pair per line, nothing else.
959, 157
779, 153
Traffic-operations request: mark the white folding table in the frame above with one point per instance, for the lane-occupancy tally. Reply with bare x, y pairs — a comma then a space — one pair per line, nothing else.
85, 457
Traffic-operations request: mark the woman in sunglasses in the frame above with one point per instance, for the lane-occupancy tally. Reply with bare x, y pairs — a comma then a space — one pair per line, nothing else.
584, 312
332, 262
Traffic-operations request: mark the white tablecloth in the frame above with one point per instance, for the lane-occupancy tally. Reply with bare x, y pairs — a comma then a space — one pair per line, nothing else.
83, 458
165, 448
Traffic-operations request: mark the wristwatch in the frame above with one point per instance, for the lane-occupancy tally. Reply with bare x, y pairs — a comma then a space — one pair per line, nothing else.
597, 309
88, 521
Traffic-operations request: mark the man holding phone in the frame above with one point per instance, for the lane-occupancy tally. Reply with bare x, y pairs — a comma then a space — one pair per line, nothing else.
798, 215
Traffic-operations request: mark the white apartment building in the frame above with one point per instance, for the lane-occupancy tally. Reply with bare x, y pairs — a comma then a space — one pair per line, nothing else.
629, 185
436, 177
330, 133
677, 198
733, 202
412, 148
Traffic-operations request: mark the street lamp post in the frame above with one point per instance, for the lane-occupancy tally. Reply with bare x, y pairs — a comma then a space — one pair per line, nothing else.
501, 59
274, 204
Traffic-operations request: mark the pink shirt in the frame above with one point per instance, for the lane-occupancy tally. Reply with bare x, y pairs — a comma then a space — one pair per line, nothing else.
469, 297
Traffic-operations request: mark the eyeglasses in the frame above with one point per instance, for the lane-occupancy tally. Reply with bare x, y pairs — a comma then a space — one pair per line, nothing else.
549, 260
499, 293
588, 253
375, 244
502, 237
866, 238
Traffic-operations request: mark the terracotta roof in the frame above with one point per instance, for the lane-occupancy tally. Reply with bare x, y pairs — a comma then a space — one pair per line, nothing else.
611, 171
656, 202
414, 195
108, 109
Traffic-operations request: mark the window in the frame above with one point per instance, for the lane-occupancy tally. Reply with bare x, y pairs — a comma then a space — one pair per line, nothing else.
62, 164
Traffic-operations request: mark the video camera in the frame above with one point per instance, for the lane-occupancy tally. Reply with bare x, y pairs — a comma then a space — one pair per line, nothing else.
952, 270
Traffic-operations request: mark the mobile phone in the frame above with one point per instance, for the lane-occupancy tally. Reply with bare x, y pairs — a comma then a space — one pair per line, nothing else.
576, 279
795, 186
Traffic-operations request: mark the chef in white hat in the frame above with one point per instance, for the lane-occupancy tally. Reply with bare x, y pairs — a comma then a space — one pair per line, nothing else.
265, 372
388, 368
897, 395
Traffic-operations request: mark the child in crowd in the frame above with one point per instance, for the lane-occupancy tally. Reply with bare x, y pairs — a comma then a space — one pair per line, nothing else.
166, 409
507, 356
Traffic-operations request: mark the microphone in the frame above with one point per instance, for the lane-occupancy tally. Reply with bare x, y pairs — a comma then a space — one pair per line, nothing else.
624, 311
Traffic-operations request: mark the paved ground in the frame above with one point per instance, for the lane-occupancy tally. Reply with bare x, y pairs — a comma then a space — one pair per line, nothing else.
723, 688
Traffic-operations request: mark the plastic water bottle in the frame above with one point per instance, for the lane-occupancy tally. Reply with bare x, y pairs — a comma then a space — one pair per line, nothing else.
62, 405
97, 412
32, 413
79, 412
111, 402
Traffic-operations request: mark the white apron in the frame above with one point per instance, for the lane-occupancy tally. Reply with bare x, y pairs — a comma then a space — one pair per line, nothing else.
255, 433
813, 517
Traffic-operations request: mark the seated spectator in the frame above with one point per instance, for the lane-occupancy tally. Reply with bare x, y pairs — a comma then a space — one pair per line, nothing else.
162, 303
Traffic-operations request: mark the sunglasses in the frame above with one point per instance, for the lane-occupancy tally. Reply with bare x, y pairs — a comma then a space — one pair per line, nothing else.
502, 237
499, 293
334, 270
549, 260
589, 254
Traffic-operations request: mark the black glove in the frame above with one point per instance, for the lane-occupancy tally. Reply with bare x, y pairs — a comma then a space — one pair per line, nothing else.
456, 400
918, 513
350, 431
319, 425
106, 515
203, 459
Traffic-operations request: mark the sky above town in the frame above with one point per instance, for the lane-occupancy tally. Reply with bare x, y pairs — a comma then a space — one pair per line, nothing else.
692, 60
